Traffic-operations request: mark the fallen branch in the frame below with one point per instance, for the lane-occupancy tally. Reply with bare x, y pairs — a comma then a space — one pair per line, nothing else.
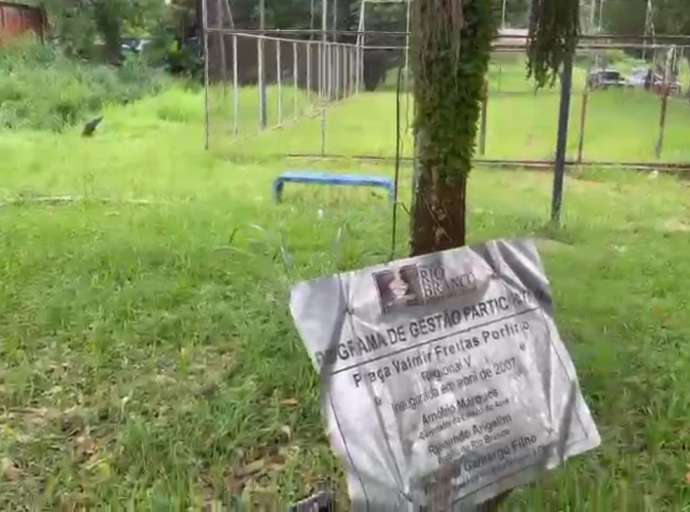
59, 200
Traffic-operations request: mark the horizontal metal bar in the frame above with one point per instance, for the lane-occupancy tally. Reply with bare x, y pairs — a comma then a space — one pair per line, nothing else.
535, 164
523, 47
240, 33
596, 46
497, 47
669, 38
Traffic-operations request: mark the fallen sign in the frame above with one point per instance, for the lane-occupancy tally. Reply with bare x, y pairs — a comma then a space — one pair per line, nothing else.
444, 380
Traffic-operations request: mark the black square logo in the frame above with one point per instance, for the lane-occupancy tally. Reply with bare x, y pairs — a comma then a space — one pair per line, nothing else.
399, 288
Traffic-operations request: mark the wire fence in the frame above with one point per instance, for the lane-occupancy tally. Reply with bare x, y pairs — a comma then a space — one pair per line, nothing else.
629, 99
258, 82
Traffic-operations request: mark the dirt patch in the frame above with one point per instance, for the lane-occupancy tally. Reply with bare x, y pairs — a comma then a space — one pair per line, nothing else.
548, 246
675, 226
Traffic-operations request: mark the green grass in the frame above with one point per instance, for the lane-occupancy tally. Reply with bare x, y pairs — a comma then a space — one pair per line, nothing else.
41, 88
147, 358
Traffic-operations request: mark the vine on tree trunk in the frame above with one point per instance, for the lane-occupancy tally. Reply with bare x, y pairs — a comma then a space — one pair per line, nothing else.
450, 56
451, 49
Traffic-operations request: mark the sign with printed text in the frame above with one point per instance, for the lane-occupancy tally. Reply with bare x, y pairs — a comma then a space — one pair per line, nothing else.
444, 379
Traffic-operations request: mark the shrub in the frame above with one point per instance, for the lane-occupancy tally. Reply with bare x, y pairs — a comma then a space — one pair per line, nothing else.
41, 88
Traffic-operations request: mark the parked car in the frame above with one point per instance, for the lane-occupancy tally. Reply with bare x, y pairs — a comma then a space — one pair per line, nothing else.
639, 78
674, 86
644, 78
605, 78
134, 46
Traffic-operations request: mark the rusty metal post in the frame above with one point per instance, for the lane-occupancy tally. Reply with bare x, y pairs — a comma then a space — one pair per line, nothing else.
662, 120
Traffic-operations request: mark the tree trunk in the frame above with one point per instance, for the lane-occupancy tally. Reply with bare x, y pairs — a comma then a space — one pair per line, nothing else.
451, 43
109, 26
438, 220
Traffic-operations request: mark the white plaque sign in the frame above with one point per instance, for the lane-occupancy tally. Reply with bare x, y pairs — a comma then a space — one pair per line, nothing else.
444, 379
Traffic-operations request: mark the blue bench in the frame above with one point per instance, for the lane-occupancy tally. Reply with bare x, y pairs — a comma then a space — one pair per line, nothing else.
322, 178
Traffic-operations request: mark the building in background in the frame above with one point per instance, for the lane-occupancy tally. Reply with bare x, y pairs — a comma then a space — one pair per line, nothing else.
16, 19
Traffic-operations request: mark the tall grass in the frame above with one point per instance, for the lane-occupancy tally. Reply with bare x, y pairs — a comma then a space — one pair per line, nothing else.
40, 88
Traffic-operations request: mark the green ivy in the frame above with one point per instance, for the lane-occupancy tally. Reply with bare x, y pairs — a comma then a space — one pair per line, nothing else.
554, 31
452, 46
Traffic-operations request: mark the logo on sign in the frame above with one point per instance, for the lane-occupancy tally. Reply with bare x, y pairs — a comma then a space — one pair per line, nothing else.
413, 285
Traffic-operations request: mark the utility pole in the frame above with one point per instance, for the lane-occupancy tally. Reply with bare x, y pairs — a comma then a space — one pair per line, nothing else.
503, 17
335, 21
648, 27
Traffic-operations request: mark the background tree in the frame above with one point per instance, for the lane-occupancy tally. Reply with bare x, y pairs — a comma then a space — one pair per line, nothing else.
628, 16
452, 45
81, 24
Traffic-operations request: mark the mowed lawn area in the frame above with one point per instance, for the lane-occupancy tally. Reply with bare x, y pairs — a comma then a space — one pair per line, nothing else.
147, 357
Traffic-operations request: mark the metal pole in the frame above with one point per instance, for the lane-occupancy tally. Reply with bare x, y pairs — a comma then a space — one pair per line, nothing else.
583, 122
360, 44
593, 16
279, 80
343, 72
263, 121
309, 84
336, 77
562, 143
335, 21
406, 86
482, 128
601, 15
320, 69
204, 8
662, 120
263, 111
324, 28
323, 132
228, 12
221, 36
648, 27
668, 76
348, 79
329, 71
295, 78
503, 16
324, 51
236, 89
353, 67
356, 69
